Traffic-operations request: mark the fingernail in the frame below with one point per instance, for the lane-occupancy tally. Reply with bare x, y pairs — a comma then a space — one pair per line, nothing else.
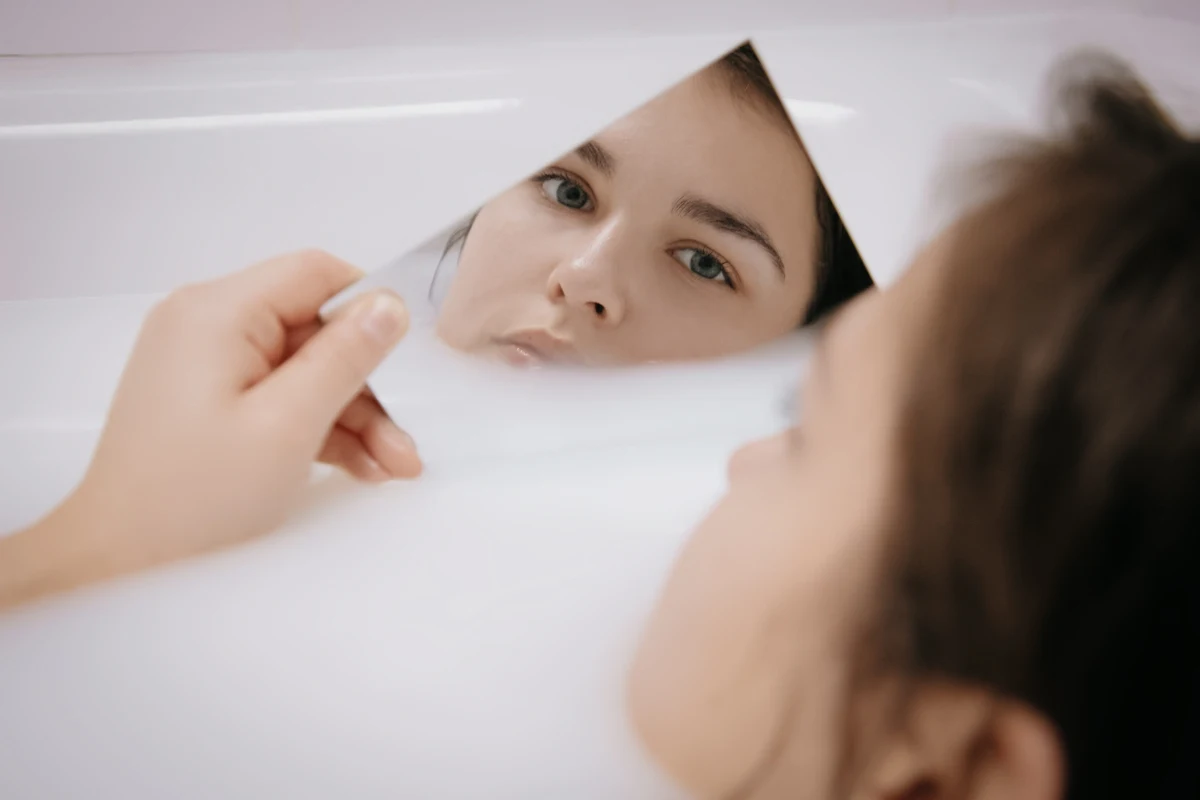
371, 470
399, 439
385, 320
415, 468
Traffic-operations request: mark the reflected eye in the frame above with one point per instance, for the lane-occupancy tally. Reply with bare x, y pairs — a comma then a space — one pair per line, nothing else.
565, 192
703, 264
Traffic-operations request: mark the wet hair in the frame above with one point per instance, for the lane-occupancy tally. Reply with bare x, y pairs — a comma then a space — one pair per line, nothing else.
840, 273
1047, 528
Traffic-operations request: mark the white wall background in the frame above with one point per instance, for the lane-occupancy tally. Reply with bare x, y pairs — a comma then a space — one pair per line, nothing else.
46, 27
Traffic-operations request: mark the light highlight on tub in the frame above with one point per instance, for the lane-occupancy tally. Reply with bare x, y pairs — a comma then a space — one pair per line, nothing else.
815, 111
266, 119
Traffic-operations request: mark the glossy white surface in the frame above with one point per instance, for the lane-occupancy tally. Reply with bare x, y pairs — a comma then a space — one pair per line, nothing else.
133, 174
123, 26
916, 100
119, 26
464, 636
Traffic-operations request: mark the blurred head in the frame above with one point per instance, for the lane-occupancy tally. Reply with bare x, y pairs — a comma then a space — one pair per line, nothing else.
693, 227
969, 571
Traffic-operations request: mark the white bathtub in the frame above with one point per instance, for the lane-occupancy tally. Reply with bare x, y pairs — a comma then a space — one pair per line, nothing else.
465, 636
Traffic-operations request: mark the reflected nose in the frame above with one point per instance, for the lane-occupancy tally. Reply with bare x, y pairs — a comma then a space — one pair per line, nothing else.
587, 279
752, 457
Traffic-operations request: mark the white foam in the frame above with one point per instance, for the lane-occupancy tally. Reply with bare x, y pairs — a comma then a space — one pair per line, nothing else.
483, 616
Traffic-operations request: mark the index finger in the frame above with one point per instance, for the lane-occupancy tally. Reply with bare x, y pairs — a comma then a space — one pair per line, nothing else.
293, 286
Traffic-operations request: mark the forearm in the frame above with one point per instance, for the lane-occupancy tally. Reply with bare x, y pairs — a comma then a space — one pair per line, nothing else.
66, 550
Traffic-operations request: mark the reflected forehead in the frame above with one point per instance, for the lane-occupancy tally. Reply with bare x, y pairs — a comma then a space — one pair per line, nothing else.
879, 335
702, 116
842, 331
698, 139
913, 296
854, 352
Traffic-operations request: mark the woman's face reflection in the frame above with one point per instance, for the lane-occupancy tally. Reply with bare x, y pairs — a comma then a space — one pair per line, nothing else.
685, 230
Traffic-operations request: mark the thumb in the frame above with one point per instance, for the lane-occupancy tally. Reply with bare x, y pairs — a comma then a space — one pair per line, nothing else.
331, 368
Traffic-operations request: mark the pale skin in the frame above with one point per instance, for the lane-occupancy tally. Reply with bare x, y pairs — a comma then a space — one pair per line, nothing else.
737, 687
684, 230
233, 389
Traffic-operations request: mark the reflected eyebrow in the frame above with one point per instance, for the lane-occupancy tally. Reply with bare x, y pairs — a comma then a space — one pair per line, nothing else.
598, 157
711, 214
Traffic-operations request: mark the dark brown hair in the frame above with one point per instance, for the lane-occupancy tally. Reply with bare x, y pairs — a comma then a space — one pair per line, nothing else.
1048, 539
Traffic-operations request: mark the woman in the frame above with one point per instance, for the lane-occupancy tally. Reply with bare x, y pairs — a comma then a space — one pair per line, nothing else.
970, 570
693, 227
969, 573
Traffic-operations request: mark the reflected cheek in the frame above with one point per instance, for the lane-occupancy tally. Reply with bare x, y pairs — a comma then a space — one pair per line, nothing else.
496, 280
501, 252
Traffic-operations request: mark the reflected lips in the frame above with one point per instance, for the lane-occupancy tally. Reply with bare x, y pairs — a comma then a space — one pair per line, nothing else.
532, 348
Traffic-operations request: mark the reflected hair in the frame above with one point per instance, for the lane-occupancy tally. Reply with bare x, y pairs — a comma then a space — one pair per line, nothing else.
840, 273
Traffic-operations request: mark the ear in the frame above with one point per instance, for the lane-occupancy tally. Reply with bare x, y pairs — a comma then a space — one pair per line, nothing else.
963, 743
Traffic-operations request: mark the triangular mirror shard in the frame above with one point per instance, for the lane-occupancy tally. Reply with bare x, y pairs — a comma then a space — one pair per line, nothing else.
693, 227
